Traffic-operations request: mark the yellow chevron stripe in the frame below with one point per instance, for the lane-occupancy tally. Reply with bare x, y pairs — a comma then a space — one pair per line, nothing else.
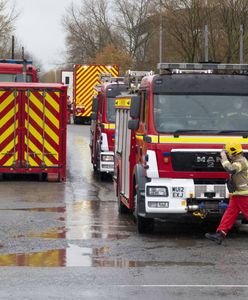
6, 102
48, 114
87, 73
52, 101
39, 121
35, 149
9, 147
31, 161
38, 136
8, 116
8, 132
86, 79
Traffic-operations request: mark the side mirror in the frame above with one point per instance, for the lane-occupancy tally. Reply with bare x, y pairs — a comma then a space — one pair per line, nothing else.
133, 124
94, 104
135, 107
93, 116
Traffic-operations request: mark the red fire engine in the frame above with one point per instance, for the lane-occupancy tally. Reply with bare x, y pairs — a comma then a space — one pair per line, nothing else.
12, 70
33, 129
102, 130
169, 137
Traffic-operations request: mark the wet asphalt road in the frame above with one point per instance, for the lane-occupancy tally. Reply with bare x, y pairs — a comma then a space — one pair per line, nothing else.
67, 241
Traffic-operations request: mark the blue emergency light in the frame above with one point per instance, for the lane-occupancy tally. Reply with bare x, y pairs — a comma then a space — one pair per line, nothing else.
16, 61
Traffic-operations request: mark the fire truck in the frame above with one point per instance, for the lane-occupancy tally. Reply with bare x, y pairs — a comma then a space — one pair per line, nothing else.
169, 137
12, 70
102, 130
33, 129
86, 77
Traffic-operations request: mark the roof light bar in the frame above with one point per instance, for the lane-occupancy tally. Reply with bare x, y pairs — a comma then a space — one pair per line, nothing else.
16, 61
204, 66
139, 73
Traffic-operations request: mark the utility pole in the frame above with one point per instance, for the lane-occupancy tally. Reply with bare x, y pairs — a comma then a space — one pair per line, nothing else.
13, 48
206, 43
241, 45
160, 33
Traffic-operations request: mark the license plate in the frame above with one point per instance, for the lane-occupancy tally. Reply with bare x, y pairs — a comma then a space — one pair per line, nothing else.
163, 204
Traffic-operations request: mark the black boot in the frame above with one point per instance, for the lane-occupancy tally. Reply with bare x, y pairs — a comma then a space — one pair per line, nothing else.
216, 237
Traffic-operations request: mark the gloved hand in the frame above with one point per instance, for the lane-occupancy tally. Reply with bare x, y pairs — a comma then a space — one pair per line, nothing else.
223, 155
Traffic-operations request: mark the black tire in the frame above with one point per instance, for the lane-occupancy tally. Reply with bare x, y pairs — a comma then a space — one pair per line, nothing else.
144, 225
103, 176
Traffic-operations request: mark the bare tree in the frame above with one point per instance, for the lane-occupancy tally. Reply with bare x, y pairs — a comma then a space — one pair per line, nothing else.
185, 23
88, 30
7, 19
135, 23
231, 14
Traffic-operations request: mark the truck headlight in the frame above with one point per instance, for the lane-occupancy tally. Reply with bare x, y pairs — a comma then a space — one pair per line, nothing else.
157, 191
107, 157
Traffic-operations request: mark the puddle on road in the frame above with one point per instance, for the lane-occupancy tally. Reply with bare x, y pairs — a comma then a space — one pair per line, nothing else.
75, 256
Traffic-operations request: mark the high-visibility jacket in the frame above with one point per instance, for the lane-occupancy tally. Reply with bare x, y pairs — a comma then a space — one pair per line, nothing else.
238, 169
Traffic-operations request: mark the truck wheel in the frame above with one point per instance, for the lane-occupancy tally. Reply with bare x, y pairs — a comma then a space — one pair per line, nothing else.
144, 225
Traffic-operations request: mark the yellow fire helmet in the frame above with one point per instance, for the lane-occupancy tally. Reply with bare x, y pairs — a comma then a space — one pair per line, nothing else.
233, 148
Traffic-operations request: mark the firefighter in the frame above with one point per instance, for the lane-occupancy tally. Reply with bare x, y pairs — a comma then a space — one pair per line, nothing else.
234, 162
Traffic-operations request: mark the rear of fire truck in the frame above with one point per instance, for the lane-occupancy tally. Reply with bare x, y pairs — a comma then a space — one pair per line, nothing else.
86, 77
33, 129
102, 131
177, 126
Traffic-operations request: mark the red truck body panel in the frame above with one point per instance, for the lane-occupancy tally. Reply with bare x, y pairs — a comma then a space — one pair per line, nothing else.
33, 129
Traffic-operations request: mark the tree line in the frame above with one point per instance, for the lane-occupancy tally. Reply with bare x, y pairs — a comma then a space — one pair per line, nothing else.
129, 32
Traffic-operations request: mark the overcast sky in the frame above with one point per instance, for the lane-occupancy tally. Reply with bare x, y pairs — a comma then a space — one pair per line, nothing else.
40, 30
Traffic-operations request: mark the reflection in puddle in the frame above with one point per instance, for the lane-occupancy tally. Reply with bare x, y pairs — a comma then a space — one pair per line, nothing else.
75, 256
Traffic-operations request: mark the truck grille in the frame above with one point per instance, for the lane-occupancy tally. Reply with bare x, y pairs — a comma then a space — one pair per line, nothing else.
207, 161
201, 191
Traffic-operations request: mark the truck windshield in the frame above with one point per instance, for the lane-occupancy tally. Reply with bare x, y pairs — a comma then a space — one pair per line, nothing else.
196, 113
15, 78
111, 109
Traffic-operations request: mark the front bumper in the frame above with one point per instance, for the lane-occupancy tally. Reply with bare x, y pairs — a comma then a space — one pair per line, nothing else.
107, 162
183, 196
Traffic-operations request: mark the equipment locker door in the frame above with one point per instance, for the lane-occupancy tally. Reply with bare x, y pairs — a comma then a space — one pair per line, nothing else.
10, 128
41, 138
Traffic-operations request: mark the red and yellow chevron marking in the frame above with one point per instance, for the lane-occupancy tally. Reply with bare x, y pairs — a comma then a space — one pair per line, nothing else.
42, 123
9, 122
86, 78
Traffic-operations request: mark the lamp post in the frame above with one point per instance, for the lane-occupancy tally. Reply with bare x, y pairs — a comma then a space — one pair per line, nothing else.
241, 45
160, 33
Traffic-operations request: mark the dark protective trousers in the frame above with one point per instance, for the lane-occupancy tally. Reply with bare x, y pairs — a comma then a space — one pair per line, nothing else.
236, 205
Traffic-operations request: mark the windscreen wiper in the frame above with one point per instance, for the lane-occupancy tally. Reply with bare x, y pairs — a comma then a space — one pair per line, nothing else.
244, 133
181, 131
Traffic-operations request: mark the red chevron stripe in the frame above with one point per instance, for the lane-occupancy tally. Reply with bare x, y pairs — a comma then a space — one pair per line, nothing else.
47, 104
7, 109
39, 113
5, 96
7, 157
39, 146
36, 159
46, 136
6, 141
6, 125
